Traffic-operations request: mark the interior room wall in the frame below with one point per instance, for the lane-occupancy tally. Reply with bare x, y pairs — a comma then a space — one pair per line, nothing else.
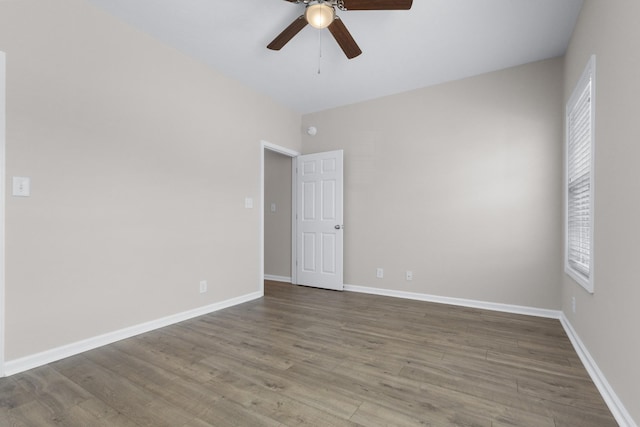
459, 183
607, 320
277, 224
140, 160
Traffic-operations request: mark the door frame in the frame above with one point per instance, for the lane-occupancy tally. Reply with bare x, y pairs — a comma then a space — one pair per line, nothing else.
3, 186
265, 145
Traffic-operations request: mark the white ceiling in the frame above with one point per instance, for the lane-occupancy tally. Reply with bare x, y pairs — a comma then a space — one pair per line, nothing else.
434, 42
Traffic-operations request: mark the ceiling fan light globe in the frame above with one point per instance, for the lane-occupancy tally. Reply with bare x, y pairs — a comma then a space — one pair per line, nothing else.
320, 15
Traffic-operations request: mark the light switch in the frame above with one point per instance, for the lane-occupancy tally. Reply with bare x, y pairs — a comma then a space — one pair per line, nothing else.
248, 202
21, 186
273, 207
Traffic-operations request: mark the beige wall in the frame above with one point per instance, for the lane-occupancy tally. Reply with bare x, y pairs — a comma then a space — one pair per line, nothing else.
607, 321
459, 183
140, 160
277, 225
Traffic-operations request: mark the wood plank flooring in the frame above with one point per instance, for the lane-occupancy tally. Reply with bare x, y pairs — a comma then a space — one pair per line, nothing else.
311, 357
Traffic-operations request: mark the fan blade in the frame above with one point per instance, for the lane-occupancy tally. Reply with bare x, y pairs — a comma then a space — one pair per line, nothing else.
377, 4
344, 39
288, 33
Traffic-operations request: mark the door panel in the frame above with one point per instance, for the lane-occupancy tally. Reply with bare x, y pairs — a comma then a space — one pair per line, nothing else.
319, 216
309, 252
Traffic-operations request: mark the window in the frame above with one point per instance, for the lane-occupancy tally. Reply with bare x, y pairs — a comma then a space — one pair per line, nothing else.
579, 179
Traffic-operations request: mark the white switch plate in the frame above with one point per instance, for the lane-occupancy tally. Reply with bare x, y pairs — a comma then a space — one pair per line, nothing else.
203, 286
273, 207
21, 186
409, 275
248, 202
379, 273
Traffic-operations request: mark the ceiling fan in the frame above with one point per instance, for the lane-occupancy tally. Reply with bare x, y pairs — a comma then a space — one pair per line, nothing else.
322, 14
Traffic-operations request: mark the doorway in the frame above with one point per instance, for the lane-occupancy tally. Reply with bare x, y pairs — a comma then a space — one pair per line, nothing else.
274, 216
310, 234
277, 216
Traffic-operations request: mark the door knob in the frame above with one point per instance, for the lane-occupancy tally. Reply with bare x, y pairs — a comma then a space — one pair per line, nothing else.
338, 227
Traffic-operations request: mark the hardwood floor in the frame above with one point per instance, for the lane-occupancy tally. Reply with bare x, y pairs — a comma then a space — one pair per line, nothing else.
303, 356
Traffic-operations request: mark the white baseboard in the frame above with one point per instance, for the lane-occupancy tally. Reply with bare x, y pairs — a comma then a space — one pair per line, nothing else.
616, 407
277, 278
33, 361
507, 308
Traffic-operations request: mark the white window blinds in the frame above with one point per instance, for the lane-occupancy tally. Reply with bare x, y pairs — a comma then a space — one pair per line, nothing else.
579, 191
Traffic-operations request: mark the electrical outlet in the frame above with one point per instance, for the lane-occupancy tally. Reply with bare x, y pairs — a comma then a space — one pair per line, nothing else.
203, 286
573, 304
379, 273
409, 275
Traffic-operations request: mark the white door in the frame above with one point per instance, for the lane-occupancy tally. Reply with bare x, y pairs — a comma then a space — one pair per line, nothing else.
319, 220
